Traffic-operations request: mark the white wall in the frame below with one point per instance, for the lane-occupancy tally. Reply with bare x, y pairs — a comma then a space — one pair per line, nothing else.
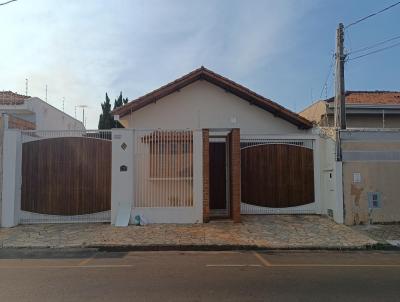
11, 193
122, 195
48, 117
122, 182
330, 190
204, 105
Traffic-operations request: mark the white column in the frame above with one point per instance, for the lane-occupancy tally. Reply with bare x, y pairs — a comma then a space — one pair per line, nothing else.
11, 193
317, 175
198, 174
122, 176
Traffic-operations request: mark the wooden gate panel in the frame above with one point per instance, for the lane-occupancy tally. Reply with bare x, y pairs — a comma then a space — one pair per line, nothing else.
66, 176
277, 175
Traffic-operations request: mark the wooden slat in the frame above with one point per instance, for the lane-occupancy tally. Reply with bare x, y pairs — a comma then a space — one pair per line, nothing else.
66, 176
277, 175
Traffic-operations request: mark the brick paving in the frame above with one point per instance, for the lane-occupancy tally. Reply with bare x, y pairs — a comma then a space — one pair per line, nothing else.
262, 231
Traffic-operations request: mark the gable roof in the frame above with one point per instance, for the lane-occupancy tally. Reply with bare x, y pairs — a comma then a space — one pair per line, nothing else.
203, 73
12, 98
371, 97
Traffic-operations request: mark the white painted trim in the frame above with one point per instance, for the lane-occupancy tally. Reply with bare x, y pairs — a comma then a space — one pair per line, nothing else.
260, 135
246, 208
167, 215
32, 218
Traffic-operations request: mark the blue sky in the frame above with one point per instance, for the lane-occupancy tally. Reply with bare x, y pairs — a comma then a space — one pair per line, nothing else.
280, 49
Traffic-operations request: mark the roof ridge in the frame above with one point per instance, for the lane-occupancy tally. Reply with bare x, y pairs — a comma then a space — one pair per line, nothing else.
218, 80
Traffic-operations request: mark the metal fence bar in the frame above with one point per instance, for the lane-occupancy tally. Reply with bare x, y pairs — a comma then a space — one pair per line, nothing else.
164, 168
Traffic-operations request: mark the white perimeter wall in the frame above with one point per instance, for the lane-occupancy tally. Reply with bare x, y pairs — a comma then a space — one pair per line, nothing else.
204, 105
122, 192
330, 190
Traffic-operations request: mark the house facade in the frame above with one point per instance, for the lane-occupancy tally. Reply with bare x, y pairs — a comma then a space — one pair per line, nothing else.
364, 109
368, 151
199, 148
32, 113
253, 155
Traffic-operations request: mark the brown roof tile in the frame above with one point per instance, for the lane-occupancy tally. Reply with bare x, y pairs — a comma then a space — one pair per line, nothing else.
203, 73
371, 97
12, 98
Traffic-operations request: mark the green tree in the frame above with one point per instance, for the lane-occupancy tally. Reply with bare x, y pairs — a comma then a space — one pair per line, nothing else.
106, 120
120, 101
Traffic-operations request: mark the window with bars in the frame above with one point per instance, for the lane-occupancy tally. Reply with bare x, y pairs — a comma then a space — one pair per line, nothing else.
171, 157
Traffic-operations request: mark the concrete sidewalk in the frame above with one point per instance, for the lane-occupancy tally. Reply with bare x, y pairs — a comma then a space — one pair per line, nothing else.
261, 232
383, 233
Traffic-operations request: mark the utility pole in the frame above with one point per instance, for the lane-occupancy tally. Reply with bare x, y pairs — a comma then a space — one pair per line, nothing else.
26, 86
340, 103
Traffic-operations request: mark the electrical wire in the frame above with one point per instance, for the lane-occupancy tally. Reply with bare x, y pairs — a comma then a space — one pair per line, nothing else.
4, 3
374, 45
373, 14
375, 51
328, 75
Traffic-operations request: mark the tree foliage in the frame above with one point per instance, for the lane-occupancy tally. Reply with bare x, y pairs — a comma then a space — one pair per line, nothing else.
106, 120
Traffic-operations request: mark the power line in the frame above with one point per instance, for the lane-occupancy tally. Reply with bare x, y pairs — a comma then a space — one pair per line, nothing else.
374, 45
4, 3
375, 51
327, 76
373, 14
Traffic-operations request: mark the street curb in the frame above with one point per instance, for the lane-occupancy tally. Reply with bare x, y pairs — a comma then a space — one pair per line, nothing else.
216, 247
206, 247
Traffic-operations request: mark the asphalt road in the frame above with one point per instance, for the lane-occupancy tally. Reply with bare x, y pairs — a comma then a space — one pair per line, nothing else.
84, 275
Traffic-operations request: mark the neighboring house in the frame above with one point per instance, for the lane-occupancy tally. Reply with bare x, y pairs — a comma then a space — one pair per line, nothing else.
369, 152
32, 113
364, 109
371, 171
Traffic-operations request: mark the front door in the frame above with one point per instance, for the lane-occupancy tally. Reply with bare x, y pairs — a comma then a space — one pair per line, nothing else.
218, 192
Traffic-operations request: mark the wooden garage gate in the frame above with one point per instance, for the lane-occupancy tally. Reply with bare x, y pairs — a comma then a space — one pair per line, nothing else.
276, 175
66, 176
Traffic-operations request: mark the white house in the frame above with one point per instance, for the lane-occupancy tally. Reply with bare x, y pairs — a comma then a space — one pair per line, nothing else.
254, 156
27, 112
199, 148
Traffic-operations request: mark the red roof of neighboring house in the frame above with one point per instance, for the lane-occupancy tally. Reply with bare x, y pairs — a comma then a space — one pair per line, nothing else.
203, 73
371, 97
12, 98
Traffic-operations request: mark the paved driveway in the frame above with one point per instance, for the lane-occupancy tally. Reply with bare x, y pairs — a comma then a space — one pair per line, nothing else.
257, 231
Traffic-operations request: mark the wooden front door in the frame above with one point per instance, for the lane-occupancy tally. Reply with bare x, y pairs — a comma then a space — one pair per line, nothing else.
218, 200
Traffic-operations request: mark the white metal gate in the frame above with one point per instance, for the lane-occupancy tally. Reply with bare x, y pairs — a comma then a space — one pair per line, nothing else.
163, 161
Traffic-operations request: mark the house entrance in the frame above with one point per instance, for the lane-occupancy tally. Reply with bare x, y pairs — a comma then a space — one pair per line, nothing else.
219, 175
